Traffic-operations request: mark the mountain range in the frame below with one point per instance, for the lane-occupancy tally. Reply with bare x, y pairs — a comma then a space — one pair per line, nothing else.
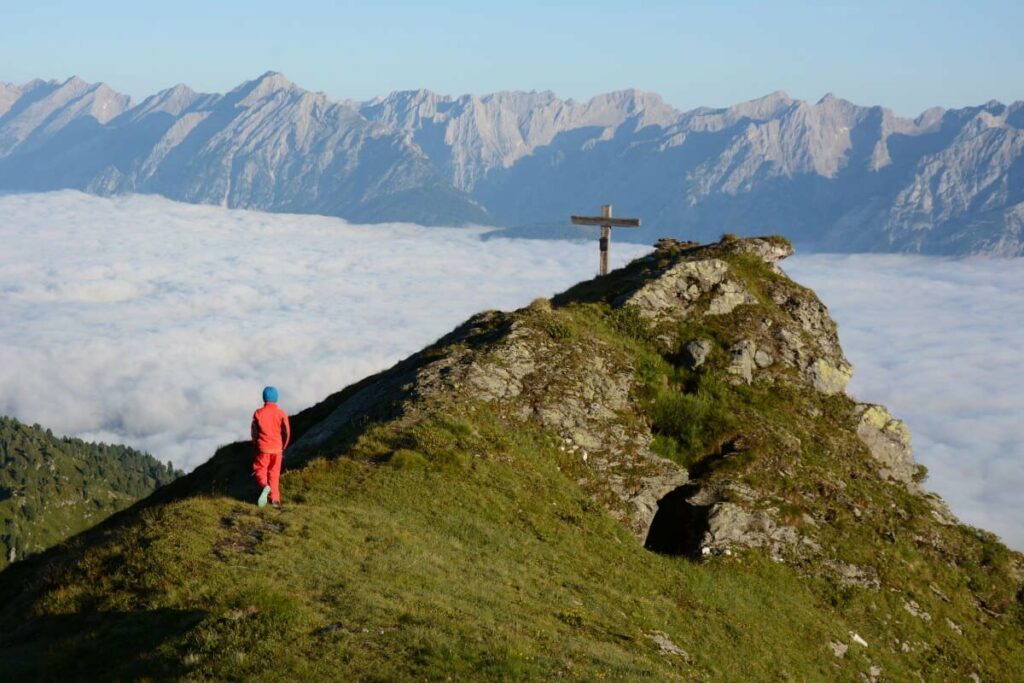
831, 175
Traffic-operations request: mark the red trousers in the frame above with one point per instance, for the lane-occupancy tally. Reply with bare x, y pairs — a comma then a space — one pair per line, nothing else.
266, 467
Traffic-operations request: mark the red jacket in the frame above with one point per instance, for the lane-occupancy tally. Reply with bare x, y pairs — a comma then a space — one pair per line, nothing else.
270, 429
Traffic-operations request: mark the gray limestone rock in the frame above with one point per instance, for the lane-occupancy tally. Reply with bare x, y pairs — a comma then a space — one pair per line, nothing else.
915, 610
666, 646
727, 295
888, 440
828, 378
674, 294
770, 251
731, 525
852, 575
742, 363
838, 649
696, 352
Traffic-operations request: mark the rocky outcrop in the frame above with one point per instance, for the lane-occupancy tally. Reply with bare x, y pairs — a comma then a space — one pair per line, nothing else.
579, 392
756, 330
741, 364
696, 352
675, 293
733, 526
769, 250
888, 441
704, 285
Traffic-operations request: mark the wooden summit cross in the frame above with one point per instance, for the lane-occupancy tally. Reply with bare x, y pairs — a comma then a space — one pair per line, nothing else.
606, 222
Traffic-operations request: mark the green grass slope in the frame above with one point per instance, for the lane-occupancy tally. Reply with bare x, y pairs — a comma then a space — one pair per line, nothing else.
439, 524
52, 488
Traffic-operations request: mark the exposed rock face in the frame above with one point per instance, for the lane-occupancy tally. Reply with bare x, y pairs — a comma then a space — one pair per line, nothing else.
36, 112
673, 295
825, 367
696, 352
806, 339
888, 440
742, 364
829, 379
469, 136
730, 525
577, 391
769, 251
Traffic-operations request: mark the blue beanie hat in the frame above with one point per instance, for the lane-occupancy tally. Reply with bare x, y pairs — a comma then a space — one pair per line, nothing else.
269, 395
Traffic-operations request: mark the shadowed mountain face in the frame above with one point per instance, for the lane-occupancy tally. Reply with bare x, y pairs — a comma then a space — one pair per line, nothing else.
52, 488
832, 175
655, 475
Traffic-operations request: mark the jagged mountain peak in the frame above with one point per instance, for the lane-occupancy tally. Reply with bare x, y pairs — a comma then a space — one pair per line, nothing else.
930, 117
174, 101
421, 99
75, 82
765, 107
177, 90
273, 79
632, 101
266, 85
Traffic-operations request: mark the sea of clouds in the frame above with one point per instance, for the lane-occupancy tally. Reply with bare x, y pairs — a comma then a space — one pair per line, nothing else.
153, 323
156, 323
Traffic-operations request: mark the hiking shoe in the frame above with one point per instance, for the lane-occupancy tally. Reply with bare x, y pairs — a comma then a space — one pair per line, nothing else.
276, 504
262, 502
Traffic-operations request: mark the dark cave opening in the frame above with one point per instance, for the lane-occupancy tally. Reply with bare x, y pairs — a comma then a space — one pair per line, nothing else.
679, 525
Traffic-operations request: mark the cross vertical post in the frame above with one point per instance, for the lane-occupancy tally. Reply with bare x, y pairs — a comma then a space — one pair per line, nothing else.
606, 238
605, 222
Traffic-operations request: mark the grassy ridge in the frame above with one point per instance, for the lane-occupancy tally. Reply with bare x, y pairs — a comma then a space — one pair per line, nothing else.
457, 542
491, 566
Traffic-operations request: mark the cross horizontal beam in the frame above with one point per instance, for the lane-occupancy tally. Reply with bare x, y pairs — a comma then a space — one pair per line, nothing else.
603, 220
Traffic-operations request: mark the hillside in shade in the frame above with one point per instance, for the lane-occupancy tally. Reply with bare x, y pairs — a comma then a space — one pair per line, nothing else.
52, 488
655, 475
831, 175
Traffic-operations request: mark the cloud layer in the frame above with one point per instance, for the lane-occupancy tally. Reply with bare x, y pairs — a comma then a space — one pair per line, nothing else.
154, 323
941, 343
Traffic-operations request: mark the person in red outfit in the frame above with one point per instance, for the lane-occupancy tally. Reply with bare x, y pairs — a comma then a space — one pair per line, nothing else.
271, 433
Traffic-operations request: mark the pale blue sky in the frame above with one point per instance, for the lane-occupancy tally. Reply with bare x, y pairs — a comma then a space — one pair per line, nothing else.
907, 55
